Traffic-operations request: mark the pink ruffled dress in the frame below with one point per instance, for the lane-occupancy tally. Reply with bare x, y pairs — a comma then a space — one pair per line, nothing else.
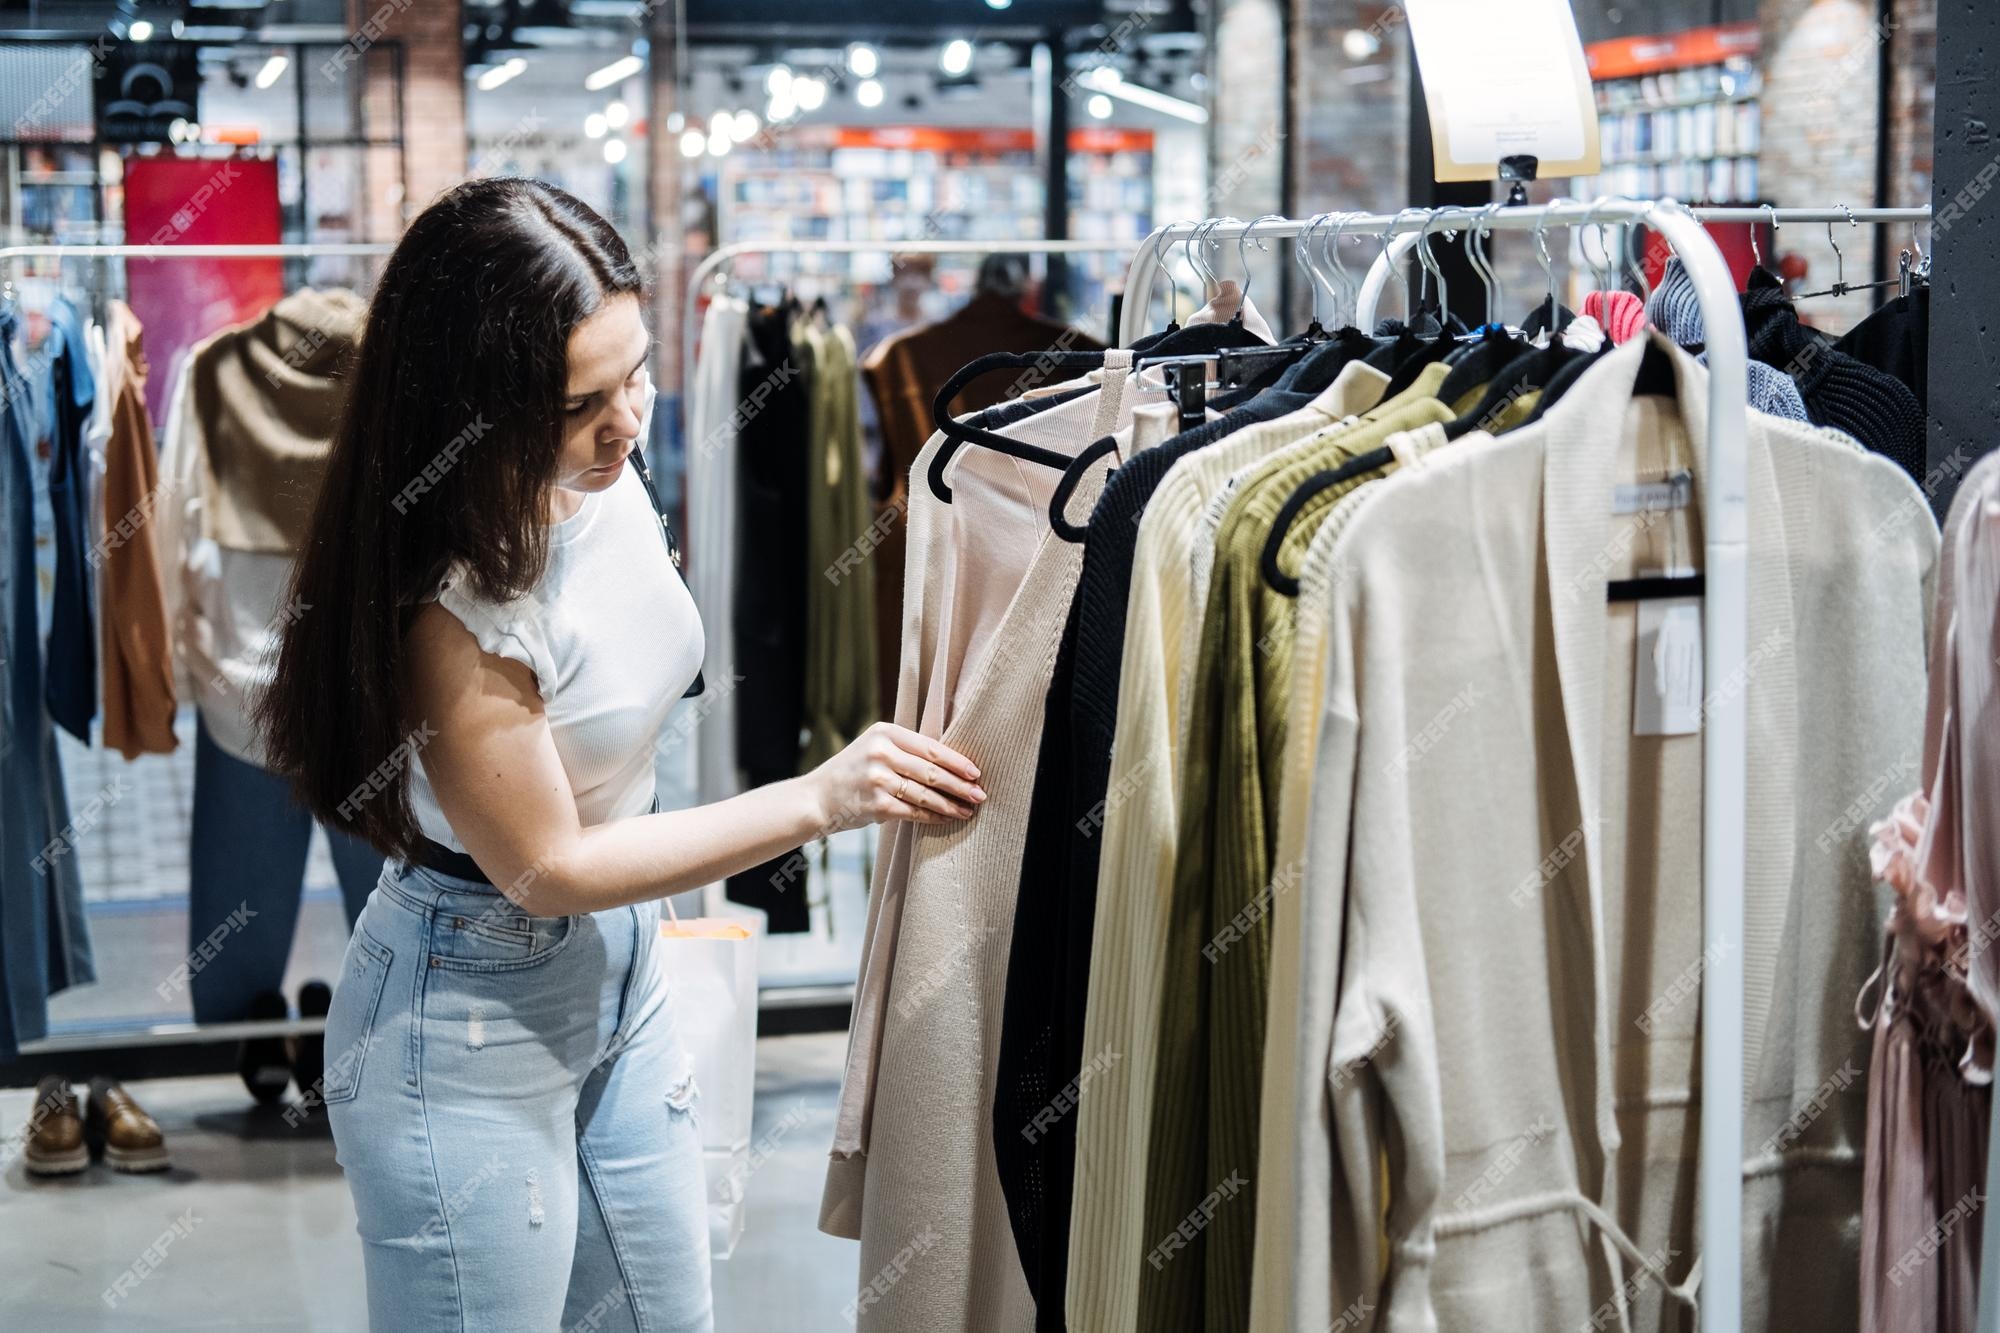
1930, 1078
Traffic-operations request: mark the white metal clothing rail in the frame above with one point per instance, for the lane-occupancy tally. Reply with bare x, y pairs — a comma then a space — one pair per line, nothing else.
724, 258
1382, 267
1724, 617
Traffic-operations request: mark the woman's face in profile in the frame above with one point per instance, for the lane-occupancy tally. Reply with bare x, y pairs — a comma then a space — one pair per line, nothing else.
606, 399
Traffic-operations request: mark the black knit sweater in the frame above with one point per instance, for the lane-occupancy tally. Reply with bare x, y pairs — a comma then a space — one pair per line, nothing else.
1896, 340
1839, 391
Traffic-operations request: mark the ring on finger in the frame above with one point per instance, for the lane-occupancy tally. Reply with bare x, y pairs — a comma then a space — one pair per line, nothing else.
902, 786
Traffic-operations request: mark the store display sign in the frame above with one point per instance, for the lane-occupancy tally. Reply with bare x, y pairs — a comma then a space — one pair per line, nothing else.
143, 88
1505, 78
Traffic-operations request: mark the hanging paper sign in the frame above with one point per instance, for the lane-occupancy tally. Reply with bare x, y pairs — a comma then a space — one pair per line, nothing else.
1504, 78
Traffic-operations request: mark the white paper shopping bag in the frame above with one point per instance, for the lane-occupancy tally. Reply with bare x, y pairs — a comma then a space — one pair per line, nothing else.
711, 965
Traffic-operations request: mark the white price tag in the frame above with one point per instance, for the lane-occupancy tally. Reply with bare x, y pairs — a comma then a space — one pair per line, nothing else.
1504, 78
1667, 666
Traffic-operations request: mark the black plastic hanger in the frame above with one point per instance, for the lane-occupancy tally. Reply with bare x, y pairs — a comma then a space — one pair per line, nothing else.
1267, 563
958, 433
1431, 319
1402, 345
1072, 477
1192, 340
1526, 373
1484, 358
1559, 383
1434, 350
1540, 321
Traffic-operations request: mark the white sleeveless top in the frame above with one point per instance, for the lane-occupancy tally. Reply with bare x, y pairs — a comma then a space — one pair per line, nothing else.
613, 639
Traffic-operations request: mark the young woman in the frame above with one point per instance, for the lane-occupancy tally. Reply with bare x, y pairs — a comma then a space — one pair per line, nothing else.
492, 637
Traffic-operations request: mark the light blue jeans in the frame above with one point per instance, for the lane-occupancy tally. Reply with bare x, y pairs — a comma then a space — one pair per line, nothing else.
515, 1115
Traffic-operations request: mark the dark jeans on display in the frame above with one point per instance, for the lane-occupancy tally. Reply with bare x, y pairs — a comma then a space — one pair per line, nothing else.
246, 869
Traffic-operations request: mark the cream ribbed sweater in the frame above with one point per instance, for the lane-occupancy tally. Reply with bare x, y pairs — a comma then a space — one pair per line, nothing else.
1135, 874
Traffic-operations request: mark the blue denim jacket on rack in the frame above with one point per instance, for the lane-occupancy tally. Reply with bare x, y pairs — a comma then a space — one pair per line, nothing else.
44, 944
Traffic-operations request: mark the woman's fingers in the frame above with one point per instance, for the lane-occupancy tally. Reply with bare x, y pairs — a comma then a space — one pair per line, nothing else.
937, 752
917, 814
901, 788
922, 772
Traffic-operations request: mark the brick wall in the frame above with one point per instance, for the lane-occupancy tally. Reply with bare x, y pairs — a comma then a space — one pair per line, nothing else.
1913, 103
1246, 143
430, 34
1351, 110
1818, 148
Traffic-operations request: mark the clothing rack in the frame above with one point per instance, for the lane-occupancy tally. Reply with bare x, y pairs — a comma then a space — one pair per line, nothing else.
1383, 266
181, 1034
723, 258
1725, 631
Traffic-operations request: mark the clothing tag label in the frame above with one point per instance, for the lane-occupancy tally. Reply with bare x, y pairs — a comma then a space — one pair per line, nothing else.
1667, 666
1651, 497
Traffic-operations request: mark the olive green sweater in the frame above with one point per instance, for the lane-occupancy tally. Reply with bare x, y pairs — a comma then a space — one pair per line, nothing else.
1208, 1078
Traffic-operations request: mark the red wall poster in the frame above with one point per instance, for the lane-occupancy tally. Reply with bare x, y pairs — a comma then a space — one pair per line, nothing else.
197, 201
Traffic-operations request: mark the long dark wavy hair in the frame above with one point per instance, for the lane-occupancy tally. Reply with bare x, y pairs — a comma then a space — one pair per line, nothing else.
445, 454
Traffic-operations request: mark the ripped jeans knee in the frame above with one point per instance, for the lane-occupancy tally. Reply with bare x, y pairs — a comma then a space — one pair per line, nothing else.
684, 1098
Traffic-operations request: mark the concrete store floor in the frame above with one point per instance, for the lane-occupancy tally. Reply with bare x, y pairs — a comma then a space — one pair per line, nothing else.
274, 1246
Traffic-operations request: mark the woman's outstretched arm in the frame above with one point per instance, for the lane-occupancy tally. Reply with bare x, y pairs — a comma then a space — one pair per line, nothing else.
493, 766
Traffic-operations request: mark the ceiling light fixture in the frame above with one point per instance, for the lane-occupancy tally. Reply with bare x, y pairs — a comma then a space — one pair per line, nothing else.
868, 93
692, 143
617, 115
1111, 85
274, 69
1099, 106
140, 30
500, 73
743, 126
593, 126
956, 58
1359, 43
809, 93
614, 151
616, 72
862, 61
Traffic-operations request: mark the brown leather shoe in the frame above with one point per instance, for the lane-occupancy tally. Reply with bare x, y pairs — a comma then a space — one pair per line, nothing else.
128, 1137
55, 1144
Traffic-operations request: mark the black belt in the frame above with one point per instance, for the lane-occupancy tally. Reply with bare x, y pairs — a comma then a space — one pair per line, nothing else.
436, 856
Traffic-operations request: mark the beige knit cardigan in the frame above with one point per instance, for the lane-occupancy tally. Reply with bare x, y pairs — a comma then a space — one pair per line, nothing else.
1468, 1079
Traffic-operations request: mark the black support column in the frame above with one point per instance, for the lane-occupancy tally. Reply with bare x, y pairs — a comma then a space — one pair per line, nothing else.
1055, 175
1965, 245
